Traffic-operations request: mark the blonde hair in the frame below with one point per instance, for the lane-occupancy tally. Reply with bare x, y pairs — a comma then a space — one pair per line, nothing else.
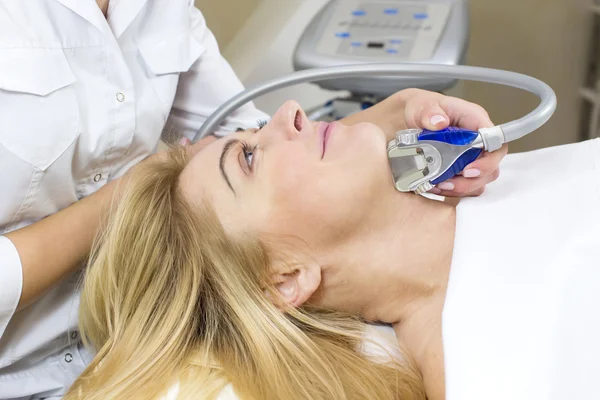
170, 298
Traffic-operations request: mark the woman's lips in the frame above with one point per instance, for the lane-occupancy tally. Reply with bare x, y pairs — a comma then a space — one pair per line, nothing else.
325, 130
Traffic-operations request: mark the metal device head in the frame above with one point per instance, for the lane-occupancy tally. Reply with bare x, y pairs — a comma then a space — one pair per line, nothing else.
421, 159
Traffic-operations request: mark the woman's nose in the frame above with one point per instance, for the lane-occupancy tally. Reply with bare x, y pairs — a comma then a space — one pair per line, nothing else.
287, 123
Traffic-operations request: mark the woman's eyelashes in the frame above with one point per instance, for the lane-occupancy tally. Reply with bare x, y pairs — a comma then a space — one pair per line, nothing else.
248, 153
262, 123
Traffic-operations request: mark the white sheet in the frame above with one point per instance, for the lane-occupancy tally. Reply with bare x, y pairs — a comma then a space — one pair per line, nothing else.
521, 318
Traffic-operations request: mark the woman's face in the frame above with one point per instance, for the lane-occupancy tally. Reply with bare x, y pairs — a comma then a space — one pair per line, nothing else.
293, 177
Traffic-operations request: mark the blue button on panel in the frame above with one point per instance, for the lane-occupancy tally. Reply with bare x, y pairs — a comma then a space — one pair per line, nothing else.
421, 16
392, 51
359, 13
390, 11
356, 44
342, 35
395, 41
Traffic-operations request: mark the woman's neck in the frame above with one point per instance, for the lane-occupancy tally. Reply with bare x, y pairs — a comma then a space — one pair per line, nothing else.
398, 263
103, 4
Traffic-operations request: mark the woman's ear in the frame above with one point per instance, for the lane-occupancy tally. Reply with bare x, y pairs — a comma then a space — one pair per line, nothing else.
297, 285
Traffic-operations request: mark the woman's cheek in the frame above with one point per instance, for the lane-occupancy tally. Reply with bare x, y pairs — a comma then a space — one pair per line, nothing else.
290, 170
297, 198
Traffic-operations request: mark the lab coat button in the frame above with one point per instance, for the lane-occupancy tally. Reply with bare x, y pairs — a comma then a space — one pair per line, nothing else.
97, 177
120, 97
68, 357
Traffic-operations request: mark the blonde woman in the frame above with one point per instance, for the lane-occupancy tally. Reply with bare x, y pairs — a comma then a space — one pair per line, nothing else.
256, 262
250, 268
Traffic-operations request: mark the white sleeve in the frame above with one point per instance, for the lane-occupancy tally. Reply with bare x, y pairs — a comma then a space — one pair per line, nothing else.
11, 281
208, 83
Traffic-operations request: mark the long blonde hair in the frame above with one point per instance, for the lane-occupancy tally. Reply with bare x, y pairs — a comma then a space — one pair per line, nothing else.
170, 298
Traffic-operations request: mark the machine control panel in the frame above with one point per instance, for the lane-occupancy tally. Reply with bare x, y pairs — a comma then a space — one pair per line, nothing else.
385, 30
348, 32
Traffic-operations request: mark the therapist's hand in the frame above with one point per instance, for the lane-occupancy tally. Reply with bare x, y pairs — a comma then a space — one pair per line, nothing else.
434, 111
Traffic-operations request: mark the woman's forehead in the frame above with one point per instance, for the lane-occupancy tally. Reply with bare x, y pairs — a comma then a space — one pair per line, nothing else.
214, 149
202, 171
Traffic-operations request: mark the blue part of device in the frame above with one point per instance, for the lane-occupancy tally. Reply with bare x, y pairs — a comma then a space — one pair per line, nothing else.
465, 159
366, 104
458, 137
450, 135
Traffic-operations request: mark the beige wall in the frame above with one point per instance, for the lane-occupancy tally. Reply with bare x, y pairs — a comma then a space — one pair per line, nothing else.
547, 39
225, 17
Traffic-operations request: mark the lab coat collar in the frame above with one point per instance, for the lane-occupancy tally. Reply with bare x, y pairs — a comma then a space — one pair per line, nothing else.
87, 10
119, 17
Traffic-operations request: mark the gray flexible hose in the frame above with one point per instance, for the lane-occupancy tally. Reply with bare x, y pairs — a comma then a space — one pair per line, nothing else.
512, 130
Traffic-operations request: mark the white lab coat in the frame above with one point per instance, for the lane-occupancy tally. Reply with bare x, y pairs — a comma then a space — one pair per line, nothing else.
82, 99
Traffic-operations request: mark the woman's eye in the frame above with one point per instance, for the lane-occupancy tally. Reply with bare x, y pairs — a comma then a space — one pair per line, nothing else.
248, 154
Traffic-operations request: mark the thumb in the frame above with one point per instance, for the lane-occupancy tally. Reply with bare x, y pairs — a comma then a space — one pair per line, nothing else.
434, 118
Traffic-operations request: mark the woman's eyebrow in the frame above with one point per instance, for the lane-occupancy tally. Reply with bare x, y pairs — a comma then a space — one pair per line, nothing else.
228, 146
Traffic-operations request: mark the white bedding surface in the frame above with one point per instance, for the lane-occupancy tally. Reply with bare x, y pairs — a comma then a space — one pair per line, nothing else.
521, 318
